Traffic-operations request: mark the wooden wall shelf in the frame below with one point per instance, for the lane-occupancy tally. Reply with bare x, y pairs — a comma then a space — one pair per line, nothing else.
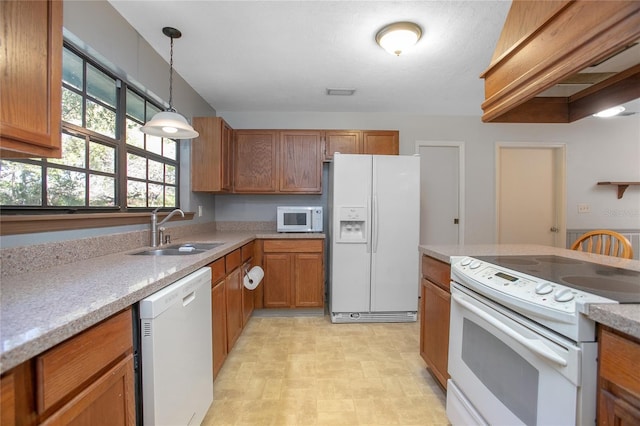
622, 186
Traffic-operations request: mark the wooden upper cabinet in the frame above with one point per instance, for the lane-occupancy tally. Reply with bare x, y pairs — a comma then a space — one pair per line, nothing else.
31, 78
300, 161
381, 142
256, 161
212, 155
342, 141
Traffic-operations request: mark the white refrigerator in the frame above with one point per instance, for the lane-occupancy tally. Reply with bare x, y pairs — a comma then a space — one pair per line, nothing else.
374, 229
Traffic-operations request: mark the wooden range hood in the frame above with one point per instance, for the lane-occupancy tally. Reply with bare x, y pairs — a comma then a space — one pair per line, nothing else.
546, 42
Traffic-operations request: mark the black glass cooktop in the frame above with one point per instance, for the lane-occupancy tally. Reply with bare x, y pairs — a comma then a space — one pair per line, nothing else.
622, 285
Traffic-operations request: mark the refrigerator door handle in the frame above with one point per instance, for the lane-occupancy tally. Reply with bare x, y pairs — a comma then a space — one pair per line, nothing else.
368, 235
374, 224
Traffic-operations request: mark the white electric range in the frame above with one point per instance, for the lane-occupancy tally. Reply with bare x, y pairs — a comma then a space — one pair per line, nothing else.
521, 349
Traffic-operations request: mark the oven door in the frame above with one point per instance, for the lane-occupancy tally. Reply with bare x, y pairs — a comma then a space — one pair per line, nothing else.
506, 369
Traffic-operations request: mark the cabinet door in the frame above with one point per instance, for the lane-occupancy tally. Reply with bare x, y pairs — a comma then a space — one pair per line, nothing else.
300, 161
227, 157
308, 280
31, 78
342, 141
247, 299
277, 280
211, 162
255, 161
219, 326
233, 296
615, 411
618, 379
8, 400
380, 142
108, 401
434, 339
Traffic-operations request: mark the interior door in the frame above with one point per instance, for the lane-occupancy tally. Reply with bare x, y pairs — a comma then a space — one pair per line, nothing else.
440, 193
530, 195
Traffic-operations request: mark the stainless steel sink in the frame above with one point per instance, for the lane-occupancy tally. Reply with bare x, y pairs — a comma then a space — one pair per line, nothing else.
183, 249
168, 252
197, 246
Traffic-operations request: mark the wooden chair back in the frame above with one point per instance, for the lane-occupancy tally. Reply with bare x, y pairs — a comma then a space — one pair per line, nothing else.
603, 241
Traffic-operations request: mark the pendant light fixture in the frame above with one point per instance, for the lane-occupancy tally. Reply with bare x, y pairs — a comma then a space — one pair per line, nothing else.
170, 124
398, 37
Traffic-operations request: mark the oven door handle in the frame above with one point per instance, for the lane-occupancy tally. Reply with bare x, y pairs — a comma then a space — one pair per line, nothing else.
534, 345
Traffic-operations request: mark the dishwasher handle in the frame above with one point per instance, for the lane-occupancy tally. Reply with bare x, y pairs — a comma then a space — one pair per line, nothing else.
189, 298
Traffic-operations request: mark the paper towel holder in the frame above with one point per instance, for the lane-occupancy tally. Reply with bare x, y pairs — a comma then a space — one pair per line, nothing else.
246, 273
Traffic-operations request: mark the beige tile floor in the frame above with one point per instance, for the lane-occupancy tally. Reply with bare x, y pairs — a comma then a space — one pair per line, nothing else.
307, 371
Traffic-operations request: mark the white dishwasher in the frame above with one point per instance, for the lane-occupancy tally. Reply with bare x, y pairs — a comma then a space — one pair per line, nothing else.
177, 374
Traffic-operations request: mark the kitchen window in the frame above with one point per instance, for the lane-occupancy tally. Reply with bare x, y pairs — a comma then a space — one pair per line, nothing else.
107, 164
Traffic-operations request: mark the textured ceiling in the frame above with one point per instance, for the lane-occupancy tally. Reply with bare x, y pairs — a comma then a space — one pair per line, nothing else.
283, 55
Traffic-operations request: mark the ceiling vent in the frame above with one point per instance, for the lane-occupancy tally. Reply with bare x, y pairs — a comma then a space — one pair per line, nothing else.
340, 92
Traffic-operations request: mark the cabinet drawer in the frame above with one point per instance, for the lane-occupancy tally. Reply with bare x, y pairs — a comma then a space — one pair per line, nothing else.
293, 246
63, 369
619, 361
217, 270
233, 260
247, 251
436, 271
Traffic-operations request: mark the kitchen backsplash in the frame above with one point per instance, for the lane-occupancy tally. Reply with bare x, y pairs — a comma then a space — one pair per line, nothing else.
18, 260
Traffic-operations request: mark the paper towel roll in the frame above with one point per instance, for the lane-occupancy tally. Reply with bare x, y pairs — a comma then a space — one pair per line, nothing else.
253, 277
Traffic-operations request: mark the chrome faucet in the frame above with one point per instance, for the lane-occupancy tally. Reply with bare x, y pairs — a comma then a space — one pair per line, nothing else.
155, 224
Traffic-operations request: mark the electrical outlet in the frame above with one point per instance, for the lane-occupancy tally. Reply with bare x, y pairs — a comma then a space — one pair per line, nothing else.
584, 208
199, 211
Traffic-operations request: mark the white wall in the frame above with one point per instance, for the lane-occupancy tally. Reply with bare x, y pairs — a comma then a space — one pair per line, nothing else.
597, 150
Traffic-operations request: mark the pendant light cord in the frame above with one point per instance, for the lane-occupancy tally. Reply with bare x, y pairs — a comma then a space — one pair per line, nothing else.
171, 78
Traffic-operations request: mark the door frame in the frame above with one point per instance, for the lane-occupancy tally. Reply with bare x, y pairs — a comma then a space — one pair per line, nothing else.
461, 182
560, 183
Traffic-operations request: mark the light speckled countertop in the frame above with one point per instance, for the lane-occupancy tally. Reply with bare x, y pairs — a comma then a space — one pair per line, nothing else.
625, 318
42, 308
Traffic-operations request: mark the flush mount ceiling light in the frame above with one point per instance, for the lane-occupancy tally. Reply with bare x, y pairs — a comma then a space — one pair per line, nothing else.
609, 112
398, 37
170, 124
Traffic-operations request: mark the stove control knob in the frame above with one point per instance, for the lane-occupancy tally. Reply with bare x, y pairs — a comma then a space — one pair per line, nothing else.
563, 295
544, 288
465, 262
475, 265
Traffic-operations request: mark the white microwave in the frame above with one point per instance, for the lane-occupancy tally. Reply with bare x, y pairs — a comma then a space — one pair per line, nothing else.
299, 219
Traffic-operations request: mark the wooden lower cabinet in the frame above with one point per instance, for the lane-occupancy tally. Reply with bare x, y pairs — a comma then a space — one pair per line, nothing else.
248, 305
8, 398
108, 401
233, 297
294, 273
85, 380
434, 317
618, 379
230, 307
218, 315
